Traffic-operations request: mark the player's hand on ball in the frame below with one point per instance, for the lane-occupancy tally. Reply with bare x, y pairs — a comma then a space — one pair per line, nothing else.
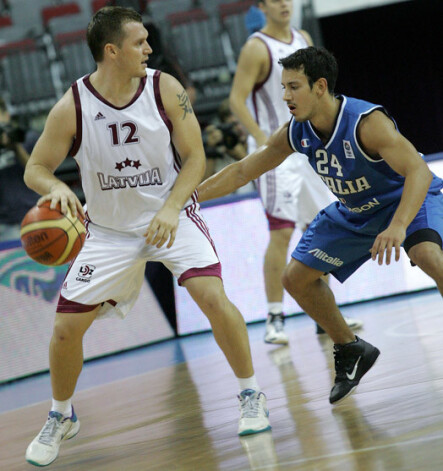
50, 237
61, 193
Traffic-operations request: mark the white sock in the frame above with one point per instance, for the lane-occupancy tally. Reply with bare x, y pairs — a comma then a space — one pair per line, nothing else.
62, 407
275, 308
248, 383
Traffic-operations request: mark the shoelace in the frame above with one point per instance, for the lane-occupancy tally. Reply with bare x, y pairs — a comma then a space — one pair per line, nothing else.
50, 430
277, 320
249, 406
343, 362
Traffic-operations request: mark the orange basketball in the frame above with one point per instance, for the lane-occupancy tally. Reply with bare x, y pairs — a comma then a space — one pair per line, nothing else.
50, 237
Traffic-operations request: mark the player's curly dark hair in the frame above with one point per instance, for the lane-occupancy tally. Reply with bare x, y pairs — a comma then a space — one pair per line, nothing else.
316, 63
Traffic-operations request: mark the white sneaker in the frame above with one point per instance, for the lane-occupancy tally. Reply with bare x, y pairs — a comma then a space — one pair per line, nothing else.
353, 324
275, 330
253, 413
43, 450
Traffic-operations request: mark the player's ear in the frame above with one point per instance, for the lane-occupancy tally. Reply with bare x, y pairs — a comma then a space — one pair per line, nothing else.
321, 86
110, 50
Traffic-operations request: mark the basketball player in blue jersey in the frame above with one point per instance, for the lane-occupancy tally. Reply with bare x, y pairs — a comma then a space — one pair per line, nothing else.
387, 198
138, 145
291, 194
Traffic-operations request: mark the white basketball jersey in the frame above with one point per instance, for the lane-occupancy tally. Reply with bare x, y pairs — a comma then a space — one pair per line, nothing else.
127, 162
266, 100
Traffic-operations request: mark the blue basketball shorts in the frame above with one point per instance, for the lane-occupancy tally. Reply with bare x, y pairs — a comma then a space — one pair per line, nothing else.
338, 244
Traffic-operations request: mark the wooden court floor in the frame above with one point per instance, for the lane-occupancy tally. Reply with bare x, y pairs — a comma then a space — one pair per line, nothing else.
184, 417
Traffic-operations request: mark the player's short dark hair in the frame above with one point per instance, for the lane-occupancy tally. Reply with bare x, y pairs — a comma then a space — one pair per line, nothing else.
316, 63
106, 26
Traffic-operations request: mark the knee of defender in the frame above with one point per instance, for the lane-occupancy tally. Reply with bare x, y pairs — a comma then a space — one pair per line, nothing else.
430, 260
292, 283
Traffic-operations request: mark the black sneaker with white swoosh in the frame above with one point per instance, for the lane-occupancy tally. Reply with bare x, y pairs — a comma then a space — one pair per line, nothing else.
352, 361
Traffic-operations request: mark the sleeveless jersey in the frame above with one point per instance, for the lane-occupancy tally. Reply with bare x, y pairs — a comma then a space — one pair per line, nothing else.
126, 159
266, 103
362, 184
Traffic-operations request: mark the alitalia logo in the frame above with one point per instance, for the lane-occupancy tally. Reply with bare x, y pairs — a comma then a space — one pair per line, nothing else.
324, 257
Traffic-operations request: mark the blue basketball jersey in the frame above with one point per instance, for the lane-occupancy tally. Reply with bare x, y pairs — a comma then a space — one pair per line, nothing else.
340, 237
362, 184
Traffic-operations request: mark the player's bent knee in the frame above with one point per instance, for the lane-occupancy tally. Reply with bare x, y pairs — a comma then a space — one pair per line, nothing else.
298, 277
292, 279
212, 301
428, 256
424, 246
70, 327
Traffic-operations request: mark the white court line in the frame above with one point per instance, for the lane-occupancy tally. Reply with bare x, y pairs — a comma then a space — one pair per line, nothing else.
391, 331
351, 452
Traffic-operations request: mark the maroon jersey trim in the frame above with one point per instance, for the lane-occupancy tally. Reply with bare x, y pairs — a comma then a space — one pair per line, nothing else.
277, 223
67, 306
210, 270
78, 120
139, 91
159, 101
279, 40
258, 85
199, 222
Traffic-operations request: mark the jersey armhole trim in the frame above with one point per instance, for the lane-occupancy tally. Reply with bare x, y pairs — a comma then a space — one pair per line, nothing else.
259, 85
78, 120
159, 101
290, 140
356, 138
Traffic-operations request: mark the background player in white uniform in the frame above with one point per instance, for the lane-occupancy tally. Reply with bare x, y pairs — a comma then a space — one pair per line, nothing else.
130, 129
291, 193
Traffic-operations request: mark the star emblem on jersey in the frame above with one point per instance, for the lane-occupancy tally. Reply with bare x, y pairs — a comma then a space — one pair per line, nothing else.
127, 163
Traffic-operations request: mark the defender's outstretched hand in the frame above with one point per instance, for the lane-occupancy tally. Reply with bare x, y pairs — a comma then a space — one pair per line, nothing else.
390, 238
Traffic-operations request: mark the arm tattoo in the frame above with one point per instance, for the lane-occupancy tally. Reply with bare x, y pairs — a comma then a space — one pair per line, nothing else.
183, 101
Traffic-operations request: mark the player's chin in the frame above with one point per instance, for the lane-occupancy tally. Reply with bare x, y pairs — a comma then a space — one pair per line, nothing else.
299, 117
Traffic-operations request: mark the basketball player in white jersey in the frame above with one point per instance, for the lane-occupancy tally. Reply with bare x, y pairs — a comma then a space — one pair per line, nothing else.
291, 193
138, 146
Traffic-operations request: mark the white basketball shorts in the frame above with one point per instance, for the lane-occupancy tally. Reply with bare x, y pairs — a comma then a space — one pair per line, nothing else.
110, 267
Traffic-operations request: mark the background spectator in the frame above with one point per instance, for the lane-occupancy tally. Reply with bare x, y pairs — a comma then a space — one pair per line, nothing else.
16, 198
255, 19
165, 60
224, 140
